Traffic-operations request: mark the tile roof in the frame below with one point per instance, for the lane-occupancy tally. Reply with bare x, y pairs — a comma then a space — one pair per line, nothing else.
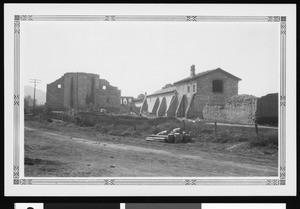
173, 88
163, 91
205, 73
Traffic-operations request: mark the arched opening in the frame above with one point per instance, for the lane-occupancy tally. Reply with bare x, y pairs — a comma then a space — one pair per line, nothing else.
172, 107
182, 107
162, 107
155, 107
144, 107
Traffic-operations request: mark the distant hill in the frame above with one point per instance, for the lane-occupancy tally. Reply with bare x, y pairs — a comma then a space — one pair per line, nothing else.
40, 95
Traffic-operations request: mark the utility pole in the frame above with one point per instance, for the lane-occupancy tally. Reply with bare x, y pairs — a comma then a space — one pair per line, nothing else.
35, 81
77, 97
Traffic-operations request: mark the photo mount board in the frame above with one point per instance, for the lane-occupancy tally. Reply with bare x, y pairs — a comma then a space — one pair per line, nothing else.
109, 186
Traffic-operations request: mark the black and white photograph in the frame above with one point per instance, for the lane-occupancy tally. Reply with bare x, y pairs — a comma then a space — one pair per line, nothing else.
153, 99
132, 99
101, 101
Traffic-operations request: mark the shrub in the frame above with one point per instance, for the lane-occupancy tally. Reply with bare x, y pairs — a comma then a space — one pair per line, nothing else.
105, 130
143, 127
267, 139
98, 127
223, 138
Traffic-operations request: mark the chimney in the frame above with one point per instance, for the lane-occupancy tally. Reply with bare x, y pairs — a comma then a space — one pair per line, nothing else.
192, 73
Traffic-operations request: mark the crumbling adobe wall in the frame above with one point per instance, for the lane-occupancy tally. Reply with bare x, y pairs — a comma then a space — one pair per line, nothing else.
87, 86
82, 90
54, 99
108, 96
240, 109
214, 113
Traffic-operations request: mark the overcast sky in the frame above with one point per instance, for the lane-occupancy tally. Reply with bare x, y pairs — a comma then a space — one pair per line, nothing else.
140, 57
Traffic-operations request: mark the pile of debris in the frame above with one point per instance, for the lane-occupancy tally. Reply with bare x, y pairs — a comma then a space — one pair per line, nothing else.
177, 135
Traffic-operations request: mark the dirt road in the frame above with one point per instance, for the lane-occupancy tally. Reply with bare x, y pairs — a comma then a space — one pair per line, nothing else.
54, 154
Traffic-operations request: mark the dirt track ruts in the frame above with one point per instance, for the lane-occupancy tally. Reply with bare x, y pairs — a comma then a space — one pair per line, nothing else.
72, 156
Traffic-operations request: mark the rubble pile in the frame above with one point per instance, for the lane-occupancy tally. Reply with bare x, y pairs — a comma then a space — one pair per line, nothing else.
177, 135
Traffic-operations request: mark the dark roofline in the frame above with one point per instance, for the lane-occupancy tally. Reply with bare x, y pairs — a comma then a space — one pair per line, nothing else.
204, 74
82, 73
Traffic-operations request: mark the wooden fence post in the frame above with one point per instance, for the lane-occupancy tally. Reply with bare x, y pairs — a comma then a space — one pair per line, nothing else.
256, 129
216, 129
134, 124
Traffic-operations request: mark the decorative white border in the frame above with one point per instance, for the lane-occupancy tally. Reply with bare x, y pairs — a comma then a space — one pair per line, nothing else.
277, 181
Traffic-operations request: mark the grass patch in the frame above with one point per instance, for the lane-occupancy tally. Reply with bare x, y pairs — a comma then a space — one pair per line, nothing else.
128, 126
266, 139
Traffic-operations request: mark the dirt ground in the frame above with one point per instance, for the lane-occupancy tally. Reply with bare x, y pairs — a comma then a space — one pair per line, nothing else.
66, 150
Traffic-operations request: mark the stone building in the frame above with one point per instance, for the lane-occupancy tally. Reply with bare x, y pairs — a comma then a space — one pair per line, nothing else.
187, 97
83, 90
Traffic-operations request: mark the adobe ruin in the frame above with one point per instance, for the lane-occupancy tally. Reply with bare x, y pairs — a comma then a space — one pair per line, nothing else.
84, 91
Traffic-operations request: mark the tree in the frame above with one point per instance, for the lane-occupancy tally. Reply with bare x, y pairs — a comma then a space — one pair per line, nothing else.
71, 94
29, 101
26, 102
141, 96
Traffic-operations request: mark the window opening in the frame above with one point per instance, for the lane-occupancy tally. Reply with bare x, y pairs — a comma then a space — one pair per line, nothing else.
217, 86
